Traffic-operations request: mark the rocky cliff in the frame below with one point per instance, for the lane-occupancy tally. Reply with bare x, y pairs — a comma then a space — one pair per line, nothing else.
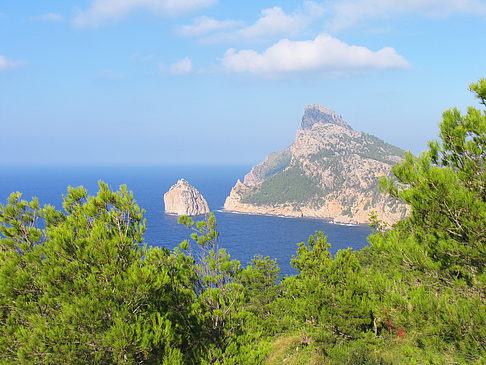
184, 199
329, 171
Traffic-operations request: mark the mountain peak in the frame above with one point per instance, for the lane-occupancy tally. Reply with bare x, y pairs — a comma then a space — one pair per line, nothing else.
316, 113
182, 182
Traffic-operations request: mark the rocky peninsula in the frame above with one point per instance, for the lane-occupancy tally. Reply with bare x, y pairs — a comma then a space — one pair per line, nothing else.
330, 171
184, 199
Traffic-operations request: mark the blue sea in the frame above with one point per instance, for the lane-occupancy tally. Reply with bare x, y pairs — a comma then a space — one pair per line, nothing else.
242, 235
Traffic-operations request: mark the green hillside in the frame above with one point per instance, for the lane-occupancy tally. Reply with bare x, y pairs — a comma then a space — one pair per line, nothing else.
290, 185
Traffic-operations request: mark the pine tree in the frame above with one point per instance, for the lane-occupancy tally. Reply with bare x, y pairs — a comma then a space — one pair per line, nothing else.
83, 290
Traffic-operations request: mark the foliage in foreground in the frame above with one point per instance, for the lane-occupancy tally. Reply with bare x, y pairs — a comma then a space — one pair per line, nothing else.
76, 286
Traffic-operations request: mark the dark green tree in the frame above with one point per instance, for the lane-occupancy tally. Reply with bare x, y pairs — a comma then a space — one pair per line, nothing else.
446, 191
329, 295
434, 261
83, 290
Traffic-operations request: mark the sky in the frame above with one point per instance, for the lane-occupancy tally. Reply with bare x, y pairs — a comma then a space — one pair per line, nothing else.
225, 82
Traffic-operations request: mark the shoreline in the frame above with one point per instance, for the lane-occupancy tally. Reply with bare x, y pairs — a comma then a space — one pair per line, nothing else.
325, 219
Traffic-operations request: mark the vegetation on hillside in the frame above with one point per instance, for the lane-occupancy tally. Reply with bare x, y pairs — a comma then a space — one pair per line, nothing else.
290, 185
76, 286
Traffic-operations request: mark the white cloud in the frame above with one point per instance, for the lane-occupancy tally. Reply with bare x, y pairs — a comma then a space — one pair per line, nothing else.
349, 12
6, 64
324, 54
181, 67
203, 25
48, 17
103, 10
273, 22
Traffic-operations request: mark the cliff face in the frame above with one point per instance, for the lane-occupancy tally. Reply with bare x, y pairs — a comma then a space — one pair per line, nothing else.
329, 171
183, 199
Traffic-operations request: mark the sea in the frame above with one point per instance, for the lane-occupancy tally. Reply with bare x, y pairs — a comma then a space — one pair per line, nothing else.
242, 235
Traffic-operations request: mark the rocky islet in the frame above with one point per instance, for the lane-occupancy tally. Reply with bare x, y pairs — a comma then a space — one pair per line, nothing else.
184, 199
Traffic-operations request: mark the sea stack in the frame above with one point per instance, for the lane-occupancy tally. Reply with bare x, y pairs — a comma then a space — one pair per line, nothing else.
184, 199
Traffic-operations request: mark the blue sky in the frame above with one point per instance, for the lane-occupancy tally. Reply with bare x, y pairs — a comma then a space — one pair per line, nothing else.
225, 82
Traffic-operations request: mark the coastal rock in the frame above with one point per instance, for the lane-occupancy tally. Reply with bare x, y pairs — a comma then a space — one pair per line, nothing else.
184, 199
329, 171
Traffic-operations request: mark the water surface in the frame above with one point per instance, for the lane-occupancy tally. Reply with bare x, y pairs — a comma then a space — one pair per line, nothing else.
242, 235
